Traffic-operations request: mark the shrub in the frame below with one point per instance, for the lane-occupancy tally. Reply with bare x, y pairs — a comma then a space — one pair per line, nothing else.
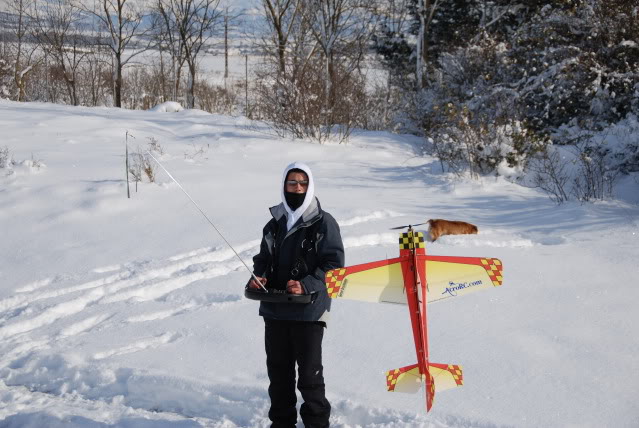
214, 98
196, 151
472, 142
382, 108
595, 177
5, 78
154, 146
5, 157
550, 174
142, 165
296, 106
585, 170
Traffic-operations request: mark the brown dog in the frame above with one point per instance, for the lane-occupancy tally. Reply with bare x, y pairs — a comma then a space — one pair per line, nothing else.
439, 227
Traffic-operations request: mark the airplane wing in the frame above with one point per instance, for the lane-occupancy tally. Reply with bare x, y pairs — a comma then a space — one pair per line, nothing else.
383, 281
380, 281
448, 277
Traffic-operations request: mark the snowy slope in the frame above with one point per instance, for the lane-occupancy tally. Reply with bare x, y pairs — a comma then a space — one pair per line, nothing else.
129, 312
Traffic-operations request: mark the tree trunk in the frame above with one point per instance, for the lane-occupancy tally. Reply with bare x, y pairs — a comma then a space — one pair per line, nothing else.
18, 74
226, 46
177, 75
93, 74
18, 77
327, 92
388, 95
191, 93
118, 81
281, 54
74, 88
430, 6
419, 57
59, 53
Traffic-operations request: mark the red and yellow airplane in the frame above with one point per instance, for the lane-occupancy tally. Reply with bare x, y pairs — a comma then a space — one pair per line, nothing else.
416, 279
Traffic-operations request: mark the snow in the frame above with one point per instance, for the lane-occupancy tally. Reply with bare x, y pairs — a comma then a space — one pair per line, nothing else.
167, 107
629, 43
129, 312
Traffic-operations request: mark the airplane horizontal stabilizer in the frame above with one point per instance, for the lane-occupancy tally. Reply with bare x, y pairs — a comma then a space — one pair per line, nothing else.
406, 379
409, 380
446, 376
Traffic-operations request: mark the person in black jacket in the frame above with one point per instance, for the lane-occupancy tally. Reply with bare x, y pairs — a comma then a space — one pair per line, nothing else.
299, 245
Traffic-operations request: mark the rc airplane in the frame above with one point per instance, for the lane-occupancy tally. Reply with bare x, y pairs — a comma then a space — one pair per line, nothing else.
416, 279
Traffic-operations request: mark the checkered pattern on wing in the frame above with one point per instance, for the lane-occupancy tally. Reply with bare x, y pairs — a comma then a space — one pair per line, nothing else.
334, 280
456, 371
494, 269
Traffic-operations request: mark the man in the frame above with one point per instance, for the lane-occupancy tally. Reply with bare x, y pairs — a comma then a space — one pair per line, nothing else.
299, 245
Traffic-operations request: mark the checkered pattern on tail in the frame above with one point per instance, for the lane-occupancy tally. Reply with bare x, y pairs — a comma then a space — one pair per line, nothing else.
430, 397
393, 376
456, 371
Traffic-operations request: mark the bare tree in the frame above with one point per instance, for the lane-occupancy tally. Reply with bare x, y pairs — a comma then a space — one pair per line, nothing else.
169, 38
56, 31
425, 11
96, 73
338, 26
549, 173
287, 44
24, 54
281, 16
226, 44
392, 21
194, 22
230, 22
122, 21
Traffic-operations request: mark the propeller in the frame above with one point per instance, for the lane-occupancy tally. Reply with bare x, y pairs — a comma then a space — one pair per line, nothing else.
406, 227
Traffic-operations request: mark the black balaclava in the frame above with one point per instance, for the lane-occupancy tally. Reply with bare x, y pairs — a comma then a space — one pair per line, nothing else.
294, 200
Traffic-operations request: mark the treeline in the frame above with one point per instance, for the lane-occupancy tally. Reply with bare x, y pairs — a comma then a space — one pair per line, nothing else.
494, 86
85, 52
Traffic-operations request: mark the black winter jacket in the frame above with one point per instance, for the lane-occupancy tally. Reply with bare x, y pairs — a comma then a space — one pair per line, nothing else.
277, 258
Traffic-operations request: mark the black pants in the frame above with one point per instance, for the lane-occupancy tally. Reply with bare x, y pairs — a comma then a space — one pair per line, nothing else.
287, 343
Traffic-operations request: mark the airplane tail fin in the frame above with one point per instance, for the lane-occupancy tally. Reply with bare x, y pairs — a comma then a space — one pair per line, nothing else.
440, 378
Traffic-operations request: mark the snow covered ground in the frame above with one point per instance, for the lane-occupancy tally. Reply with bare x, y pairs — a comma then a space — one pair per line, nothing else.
129, 312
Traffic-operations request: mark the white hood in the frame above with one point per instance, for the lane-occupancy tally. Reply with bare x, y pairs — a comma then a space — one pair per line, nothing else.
293, 216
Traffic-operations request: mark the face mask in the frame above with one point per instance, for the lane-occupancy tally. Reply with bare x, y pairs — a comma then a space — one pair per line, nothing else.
294, 200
